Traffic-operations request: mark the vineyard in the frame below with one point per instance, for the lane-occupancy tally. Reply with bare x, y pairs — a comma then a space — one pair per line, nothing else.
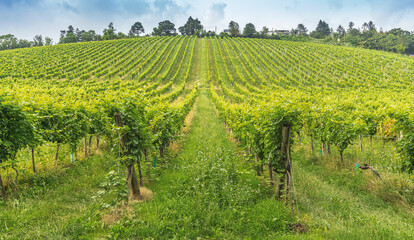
275, 98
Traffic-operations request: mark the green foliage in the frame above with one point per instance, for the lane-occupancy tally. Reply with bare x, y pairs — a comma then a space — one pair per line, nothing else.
234, 28
322, 30
165, 28
136, 29
249, 30
113, 191
134, 129
16, 130
191, 27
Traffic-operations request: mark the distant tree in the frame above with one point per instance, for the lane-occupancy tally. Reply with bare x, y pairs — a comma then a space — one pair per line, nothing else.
354, 36
301, 29
165, 28
210, 33
322, 30
398, 32
223, 34
368, 30
38, 41
24, 43
70, 29
62, 33
136, 29
48, 41
364, 27
9, 41
98, 37
111, 26
156, 32
89, 36
109, 34
121, 35
79, 34
264, 32
234, 28
341, 31
371, 26
191, 27
350, 25
249, 30
69, 38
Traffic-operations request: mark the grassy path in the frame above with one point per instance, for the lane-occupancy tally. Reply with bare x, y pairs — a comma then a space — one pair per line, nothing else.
207, 191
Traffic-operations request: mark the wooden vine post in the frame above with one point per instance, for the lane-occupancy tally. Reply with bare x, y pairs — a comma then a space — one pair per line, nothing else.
2, 190
133, 186
286, 176
33, 160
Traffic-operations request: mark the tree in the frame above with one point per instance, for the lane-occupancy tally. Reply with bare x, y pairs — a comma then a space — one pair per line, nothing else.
364, 27
70, 29
354, 36
156, 32
111, 26
109, 33
368, 30
89, 36
322, 30
234, 28
371, 26
79, 34
249, 30
350, 26
136, 29
69, 38
62, 34
165, 28
48, 41
301, 29
9, 41
121, 35
38, 41
264, 32
341, 31
191, 27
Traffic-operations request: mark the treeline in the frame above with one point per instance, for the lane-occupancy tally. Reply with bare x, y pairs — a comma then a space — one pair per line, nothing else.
72, 36
367, 36
9, 41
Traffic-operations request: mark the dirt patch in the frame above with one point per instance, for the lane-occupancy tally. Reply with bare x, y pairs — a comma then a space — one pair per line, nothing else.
146, 194
189, 119
300, 227
124, 209
98, 152
115, 216
175, 146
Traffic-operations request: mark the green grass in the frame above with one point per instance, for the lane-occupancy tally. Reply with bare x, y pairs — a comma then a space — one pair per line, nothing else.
56, 205
338, 205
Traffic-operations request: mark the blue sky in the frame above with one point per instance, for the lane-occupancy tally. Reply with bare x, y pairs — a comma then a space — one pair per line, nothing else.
27, 18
